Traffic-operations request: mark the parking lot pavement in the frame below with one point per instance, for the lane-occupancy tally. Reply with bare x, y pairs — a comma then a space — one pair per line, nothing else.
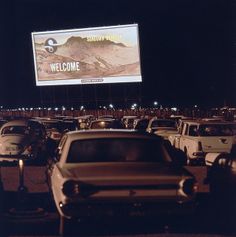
34, 178
200, 173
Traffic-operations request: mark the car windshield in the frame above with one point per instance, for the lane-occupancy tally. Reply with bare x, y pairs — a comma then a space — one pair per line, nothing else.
215, 130
163, 123
23, 130
116, 150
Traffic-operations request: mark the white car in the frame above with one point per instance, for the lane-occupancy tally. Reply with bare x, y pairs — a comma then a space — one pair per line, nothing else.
18, 138
160, 126
103, 173
197, 138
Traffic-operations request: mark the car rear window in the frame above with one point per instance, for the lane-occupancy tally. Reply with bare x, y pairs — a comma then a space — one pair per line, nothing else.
22, 130
116, 150
163, 123
215, 130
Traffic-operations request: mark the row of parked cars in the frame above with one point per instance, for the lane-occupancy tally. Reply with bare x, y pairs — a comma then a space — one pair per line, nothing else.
99, 168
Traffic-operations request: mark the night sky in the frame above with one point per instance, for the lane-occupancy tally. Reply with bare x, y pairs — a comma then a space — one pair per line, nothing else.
186, 51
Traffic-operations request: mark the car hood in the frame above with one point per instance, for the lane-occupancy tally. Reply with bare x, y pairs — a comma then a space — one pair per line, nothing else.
120, 173
13, 144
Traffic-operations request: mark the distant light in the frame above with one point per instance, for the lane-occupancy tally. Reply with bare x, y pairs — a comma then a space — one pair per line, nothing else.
104, 107
195, 106
31, 109
111, 106
56, 109
174, 109
63, 108
49, 109
155, 103
71, 108
81, 107
134, 106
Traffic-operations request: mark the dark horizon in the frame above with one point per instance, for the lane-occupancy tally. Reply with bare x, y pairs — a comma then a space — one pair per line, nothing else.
186, 52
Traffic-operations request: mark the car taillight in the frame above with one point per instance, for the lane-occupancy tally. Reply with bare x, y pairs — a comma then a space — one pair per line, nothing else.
71, 188
189, 186
29, 149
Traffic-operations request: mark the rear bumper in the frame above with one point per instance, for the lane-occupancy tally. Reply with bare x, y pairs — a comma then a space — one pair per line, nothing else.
121, 209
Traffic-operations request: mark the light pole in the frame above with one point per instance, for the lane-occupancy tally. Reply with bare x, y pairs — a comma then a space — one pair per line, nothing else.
24, 207
22, 189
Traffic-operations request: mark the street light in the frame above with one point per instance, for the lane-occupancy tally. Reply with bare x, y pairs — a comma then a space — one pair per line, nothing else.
134, 106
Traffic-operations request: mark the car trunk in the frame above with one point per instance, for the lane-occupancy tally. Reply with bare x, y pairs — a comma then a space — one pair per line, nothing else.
116, 180
217, 144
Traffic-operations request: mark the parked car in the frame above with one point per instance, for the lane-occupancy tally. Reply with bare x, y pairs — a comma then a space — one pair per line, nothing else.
105, 123
107, 173
159, 125
53, 128
84, 121
141, 124
221, 175
221, 178
21, 138
197, 138
128, 121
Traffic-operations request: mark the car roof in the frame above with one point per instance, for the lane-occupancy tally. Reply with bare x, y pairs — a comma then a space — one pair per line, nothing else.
109, 133
201, 122
16, 123
103, 120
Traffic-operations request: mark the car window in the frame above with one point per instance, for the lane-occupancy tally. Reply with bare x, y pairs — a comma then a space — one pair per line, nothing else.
23, 130
163, 123
193, 130
116, 150
215, 130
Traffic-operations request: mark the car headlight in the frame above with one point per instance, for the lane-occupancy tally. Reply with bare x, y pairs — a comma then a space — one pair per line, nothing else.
188, 187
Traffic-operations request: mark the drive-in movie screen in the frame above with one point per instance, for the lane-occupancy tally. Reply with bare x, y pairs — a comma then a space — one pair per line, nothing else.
87, 56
